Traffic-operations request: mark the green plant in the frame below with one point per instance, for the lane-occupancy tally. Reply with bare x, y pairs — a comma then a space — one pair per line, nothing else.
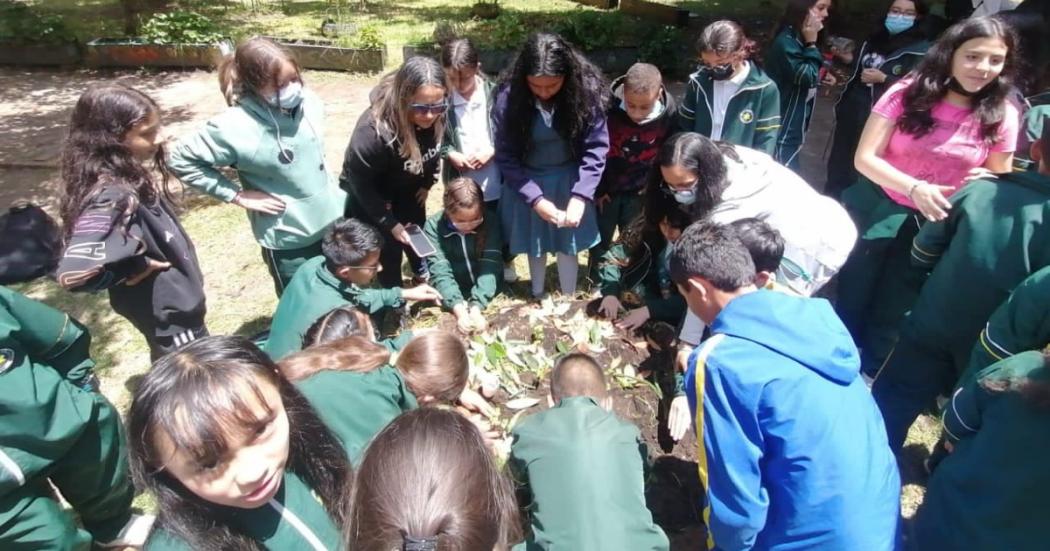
368, 38
590, 29
180, 27
662, 48
21, 24
507, 31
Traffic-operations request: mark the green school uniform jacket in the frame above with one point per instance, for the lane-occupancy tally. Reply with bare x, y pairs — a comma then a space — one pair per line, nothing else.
451, 141
996, 234
795, 69
250, 137
990, 493
313, 292
51, 425
355, 406
295, 519
752, 116
1021, 323
457, 270
584, 468
641, 278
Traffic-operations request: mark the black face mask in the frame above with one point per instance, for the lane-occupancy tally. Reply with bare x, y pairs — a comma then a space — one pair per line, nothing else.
956, 87
720, 72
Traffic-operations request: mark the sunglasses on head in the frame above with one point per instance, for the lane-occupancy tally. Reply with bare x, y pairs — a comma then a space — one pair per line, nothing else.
431, 108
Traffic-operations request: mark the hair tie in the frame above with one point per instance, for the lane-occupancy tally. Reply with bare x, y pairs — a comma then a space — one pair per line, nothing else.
419, 544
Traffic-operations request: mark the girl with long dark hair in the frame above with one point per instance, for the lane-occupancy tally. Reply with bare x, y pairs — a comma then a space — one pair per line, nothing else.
122, 233
551, 143
794, 62
949, 121
884, 58
273, 136
393, 157
234, 454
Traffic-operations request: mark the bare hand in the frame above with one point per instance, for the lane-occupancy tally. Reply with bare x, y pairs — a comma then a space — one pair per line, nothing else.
152, 266
679, 418
979, 173
634, 319
480, 323
681, 360
872, 76
548, 212
259, 201
400, 234
473, 401
482, 158
829, 79
464, 322
420, 293
421, 196
574, 212
609, 307
810, 27
930, 201
459, 161
949, 447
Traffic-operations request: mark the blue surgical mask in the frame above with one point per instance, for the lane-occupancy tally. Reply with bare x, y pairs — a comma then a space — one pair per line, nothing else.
685, 196
289, 96
897, 23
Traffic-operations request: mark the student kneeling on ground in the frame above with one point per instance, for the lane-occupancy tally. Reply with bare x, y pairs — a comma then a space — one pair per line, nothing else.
583, 467
793, 445
350, 261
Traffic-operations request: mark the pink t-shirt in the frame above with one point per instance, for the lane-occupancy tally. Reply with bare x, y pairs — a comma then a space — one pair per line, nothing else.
948, 152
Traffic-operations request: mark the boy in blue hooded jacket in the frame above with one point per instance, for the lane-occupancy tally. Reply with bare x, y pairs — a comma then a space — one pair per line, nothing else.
794, 452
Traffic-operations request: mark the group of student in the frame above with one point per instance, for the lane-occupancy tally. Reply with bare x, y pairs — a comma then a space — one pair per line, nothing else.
328, 433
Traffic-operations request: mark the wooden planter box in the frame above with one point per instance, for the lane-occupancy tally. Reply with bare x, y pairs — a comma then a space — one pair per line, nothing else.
614, 61
659, 12
119, 52
322, 54
600, 4
39, 54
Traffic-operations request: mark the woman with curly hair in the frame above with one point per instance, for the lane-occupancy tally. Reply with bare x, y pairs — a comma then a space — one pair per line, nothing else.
948, 122
551, 144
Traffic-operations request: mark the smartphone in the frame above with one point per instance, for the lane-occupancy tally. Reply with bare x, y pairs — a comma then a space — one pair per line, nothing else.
419, 242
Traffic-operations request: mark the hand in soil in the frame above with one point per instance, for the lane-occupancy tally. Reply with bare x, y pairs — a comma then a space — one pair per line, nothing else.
634, 319
473, 401
679, 418
609, 307
421, 293
480, 323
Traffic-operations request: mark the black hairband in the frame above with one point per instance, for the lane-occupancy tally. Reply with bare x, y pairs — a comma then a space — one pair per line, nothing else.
420, 544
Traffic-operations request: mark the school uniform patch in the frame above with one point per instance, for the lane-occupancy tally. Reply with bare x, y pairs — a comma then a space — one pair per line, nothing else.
746, 116
7, 359
897, 70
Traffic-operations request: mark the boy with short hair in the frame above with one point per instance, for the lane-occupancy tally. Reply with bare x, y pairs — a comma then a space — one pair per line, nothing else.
765, 245
349, 262
794, 449
640, 117
583, 467
996, 234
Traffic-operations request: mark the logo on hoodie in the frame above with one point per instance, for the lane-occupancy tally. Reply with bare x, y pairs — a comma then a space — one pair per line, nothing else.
746, 116
7, 359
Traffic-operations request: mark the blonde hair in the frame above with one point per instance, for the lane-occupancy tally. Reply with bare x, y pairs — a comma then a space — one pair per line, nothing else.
390, 108
346, 354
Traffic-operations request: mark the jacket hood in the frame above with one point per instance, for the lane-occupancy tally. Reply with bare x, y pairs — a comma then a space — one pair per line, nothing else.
616, 104
803, 329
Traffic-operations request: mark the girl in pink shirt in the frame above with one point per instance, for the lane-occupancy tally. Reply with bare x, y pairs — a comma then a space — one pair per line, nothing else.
948, 122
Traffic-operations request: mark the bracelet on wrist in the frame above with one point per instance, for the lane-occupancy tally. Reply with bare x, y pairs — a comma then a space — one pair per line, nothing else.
911, 190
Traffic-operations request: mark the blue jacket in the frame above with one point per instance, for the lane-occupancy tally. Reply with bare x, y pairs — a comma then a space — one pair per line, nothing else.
794, 449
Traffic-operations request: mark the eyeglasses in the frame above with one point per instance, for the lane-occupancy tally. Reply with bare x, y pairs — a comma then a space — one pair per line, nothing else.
897, 11
372, 267
668, 188
429, 108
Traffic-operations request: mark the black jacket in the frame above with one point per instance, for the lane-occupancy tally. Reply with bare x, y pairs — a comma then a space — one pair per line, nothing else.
109, 244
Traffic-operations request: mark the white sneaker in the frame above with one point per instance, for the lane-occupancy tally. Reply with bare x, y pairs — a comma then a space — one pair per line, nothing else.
509, 274
133, 534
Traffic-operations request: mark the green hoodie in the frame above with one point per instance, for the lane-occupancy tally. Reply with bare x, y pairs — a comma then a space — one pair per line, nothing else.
250, 137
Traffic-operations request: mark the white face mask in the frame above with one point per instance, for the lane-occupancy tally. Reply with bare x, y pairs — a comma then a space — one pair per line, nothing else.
288, 97
685, 196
